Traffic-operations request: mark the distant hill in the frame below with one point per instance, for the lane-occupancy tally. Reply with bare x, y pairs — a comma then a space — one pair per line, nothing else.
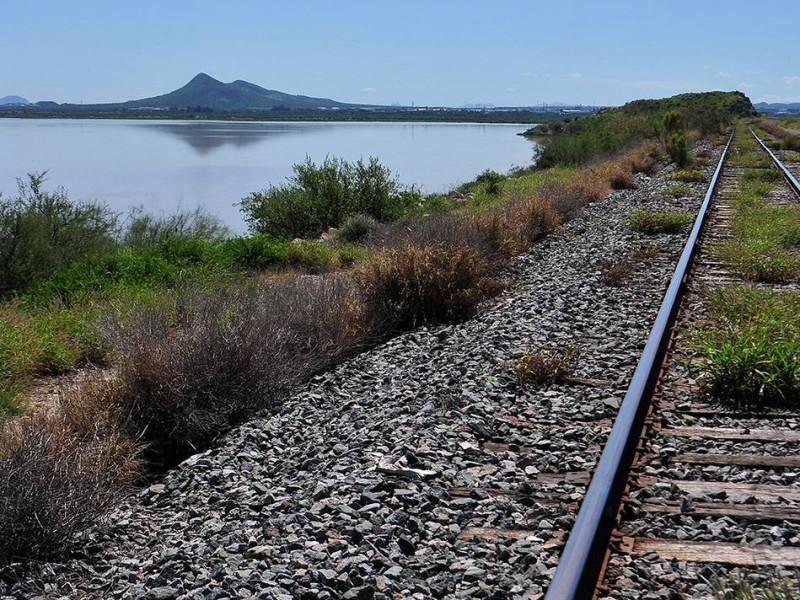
204, 92
13, 100
778, 108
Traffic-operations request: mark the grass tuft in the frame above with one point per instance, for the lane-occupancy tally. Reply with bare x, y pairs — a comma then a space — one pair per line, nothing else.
652, 222
546, 367
687, 176
751, 348
678, 190
615, 273
737, 588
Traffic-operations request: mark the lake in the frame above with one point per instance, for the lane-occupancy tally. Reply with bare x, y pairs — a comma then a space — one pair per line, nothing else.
167, 165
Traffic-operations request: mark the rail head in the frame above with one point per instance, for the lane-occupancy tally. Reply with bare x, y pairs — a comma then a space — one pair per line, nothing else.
580, 563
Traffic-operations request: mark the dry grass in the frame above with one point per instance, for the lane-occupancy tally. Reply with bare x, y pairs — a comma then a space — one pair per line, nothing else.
236, 350
517, 224
643, 158
55, 483
644, 253
590, 188
412, 285
615, 273
617, 173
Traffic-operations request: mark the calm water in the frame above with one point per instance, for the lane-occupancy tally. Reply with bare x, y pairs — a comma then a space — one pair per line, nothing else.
166, 165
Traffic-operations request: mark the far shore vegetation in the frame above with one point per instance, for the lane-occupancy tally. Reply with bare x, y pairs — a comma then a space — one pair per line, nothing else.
196, 330
426, 115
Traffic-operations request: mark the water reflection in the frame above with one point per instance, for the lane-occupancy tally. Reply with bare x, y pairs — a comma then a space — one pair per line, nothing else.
166, 164
207, 137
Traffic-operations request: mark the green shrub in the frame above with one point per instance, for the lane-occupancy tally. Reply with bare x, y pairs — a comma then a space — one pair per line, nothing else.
319, 197
41, 232
673, 121
356, 229
284, 212
653, 222
257, 251
678, 150
491, 180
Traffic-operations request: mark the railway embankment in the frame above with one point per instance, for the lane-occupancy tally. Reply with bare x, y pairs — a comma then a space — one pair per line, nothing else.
421, 468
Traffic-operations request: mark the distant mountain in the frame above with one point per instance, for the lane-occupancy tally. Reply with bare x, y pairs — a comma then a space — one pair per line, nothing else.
205, 92
778, 107
13, 100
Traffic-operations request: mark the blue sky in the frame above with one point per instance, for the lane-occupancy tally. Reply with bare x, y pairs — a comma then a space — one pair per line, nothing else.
431, 52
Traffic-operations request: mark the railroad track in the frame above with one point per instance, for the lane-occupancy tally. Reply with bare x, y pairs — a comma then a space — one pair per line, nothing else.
689, 490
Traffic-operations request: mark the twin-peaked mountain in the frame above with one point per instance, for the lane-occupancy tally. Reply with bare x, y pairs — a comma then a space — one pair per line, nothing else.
206, 92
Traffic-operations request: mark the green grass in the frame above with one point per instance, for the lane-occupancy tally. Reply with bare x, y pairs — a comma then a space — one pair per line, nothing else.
750, 350
678, 190
44, 342
47, 340
314, 257
652, 222
759, 261
746, 152
765, 237
167, 264
687, 176
761, 175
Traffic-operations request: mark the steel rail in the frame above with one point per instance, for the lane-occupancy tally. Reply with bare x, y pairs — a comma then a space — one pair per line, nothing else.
580, 563
786, 173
